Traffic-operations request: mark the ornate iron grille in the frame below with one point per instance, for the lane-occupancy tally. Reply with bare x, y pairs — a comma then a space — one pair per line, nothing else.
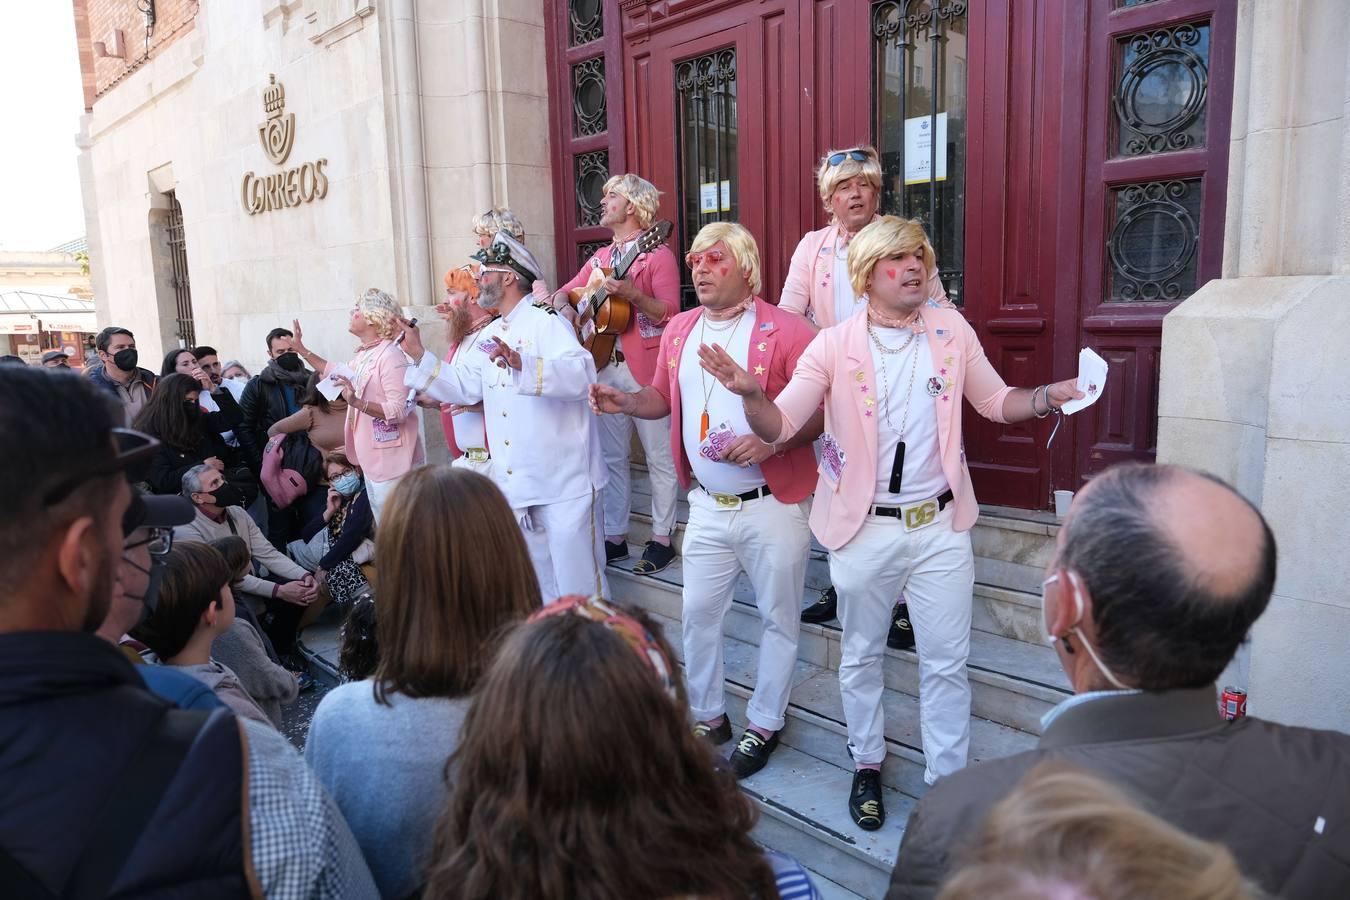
587, 250
1162, 93
919, 97
589, 105
586, 18
706, 147
182, 289
1153, 243
592, 171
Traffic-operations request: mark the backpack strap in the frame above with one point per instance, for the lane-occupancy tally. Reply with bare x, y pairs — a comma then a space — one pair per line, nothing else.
136, 794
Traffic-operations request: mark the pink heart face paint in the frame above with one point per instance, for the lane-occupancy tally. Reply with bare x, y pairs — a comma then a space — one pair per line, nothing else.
724, 270
890, 273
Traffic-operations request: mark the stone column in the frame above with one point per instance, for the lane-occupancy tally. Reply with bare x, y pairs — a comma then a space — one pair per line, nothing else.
1256, 365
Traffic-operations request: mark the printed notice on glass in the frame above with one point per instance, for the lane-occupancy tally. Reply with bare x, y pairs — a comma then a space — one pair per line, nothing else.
919, 148
726, 196
707, 197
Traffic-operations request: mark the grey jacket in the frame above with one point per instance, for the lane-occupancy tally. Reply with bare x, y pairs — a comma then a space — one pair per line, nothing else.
1278, 797
269, 685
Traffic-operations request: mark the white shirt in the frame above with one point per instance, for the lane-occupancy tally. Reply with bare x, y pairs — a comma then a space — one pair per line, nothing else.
922, 477
545, 441
470, 429
726, 413
845, 302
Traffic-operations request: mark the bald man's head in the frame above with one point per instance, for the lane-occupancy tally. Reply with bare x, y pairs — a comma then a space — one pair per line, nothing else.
1178, 565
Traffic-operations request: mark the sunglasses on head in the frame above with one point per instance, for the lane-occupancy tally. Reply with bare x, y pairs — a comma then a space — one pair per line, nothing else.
713, 257
855, 154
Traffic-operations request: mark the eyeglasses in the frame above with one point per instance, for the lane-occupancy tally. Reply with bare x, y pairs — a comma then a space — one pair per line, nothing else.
692, 260
132, 450
486, 269
855, 154
159, 543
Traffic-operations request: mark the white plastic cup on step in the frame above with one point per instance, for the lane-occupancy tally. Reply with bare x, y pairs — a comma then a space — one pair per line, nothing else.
1062, 501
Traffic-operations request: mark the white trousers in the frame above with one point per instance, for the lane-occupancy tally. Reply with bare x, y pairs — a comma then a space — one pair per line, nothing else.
377, 492
769, 541
483, 468
615, 442
935, 568
566, 546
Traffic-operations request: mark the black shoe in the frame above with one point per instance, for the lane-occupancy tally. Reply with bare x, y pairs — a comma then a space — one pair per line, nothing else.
615, 552
656, 558
715, 735
901, 636
751, 753
864, 800
824, 609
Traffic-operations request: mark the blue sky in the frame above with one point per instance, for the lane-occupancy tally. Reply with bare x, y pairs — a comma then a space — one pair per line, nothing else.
40, 203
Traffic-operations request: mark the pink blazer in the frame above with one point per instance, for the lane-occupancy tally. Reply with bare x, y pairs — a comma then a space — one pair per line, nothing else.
837, 368
382, 384
809, 289
656, 274
779, 340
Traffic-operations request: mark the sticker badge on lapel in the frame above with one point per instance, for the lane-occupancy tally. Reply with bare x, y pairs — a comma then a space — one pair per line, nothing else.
766, 326
935, 386
943, 333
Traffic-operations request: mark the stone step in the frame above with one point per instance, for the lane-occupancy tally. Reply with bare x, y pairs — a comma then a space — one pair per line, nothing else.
1013, 683
1012, 548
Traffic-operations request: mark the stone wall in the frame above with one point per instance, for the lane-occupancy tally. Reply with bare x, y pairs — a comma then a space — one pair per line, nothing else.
1256, 365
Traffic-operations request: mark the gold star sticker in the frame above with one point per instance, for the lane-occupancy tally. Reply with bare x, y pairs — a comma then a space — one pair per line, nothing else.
671, 363
759, 370
760, 346
676, 342
868, 401
859, 376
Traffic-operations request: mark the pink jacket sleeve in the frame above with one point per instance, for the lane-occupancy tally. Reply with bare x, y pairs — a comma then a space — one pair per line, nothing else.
578, 279
796, 293
661, 380
936, 292
806, 391
983, 387
665, 281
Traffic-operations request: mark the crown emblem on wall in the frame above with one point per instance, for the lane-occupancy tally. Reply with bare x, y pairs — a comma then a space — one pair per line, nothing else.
278, 132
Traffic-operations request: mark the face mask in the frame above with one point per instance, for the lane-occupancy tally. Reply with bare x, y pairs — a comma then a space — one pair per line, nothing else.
126, 359
348, 484
241, 379
227, 495
1077, 600
150, 599
192, 409
290, 361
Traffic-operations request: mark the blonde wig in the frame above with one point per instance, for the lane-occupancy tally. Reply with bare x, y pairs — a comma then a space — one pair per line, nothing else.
640, 192
886, 238
497, 219
828, 177
739, 241
381, 311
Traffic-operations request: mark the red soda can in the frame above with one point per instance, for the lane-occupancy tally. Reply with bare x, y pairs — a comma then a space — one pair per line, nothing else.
1233, 703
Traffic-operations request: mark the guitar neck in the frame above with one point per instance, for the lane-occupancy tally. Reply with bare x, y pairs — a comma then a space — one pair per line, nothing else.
620, 270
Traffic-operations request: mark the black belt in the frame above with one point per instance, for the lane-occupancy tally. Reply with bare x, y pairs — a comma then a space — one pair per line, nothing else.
895, 512
618, 355
761, 491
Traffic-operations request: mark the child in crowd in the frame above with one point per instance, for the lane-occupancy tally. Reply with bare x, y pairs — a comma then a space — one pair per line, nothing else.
243, 649
195, 607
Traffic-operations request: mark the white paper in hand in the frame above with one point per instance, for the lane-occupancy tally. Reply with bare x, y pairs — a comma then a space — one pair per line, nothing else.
1092, 371
330, 389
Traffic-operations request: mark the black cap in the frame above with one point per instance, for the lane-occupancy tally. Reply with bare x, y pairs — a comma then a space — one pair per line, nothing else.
54, 354
157, 511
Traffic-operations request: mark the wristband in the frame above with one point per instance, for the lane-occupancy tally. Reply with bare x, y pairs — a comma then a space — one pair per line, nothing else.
275, 588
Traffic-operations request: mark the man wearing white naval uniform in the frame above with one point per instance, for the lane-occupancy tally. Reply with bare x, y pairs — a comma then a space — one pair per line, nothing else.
533, 384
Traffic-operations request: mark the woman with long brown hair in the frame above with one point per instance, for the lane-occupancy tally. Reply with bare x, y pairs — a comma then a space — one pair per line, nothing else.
578, 776
454, 572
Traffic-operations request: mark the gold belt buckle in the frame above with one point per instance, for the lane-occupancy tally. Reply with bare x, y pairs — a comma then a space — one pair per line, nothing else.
476, 454
726, 501
920, 515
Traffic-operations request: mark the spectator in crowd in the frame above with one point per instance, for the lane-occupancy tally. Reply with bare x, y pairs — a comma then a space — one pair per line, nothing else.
339, 541
272, 395
182, 361
538, 760
243, 649
235, 371
220, 515
463, 426
383, 432
118, 372
454, 571
148, 528
240, 562
214, 398
56, 359
188, 436
1064, 834
321, 420
195, 606
209, 360
171, 799
1158, 575
359, 655
9, 359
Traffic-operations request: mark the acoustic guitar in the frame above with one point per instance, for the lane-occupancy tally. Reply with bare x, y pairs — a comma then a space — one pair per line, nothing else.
612, 315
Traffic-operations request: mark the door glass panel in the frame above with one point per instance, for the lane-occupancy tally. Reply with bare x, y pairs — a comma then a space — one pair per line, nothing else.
1153, 241
919, 70
592, 171
1161, 92
705, 111
589, 107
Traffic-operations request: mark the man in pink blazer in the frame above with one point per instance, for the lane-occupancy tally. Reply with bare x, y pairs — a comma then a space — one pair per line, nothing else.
749, 512
383, 430
652, 286
817, 286
894, 504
